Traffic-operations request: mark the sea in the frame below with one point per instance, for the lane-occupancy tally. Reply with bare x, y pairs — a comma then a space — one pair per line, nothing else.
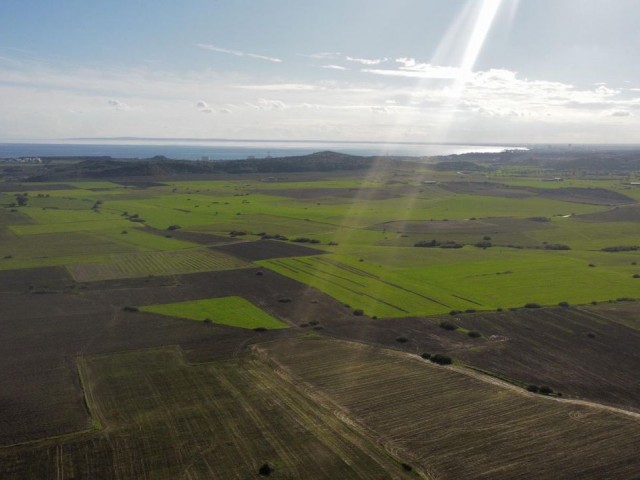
238, 150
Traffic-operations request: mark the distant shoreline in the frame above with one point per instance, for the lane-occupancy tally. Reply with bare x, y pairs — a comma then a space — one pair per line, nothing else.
226, 150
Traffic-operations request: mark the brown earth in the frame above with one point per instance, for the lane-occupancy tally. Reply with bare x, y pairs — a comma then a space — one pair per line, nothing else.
569, 350
491, 189
627, 213
41, 334
362, 194
194, 237
267, 249
592, 196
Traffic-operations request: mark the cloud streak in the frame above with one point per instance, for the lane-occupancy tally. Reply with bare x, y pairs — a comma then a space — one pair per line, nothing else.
237, 53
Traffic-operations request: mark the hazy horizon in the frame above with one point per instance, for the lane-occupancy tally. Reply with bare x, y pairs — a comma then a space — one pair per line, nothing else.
471, 72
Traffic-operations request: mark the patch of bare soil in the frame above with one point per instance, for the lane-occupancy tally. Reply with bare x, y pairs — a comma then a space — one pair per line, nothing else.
194, 237
491, 189
593, 196
339, 193
627, 213
267, 249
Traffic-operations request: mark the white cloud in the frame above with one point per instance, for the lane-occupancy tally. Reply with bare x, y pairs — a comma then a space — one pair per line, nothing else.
237, 53
334, 67
367, 61
322, 55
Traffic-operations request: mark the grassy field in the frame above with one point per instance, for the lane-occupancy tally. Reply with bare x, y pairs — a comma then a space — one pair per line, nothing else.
163, 419
232, 311
155, 263
454, 426
377, 217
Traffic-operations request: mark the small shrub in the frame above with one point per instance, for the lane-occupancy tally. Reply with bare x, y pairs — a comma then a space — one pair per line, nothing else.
533, 388
470, 310
591, 335
592, 265
454, 312
129, 308
259, 329
358, 312
486, 238
426, 355
544, 390
402, 339
207, 320
636, 275
532, 305
563, 304
474, 334
441, 359
284, 300
318, 327
174, 227
259, 273
499, 309
448, 325
406, 467
265, 470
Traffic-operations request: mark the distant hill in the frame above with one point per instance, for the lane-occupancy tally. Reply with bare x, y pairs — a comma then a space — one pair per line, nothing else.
106, 167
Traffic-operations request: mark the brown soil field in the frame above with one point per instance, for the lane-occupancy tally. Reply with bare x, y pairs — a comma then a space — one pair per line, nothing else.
56, 278
486, 188
161, 418
194, 237
267, 249
41, 334
453, 425
362, 194
550, 347
627, 213
593, 196
7, 217
33, 187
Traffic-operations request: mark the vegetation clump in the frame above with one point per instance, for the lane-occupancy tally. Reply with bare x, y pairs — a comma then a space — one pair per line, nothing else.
441, 359
358, 312
474, 334
532, 305
265, 470
621, 248
402, 339
129, 308
448, 325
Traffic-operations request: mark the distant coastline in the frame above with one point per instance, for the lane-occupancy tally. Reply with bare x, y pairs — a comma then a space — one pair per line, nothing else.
223, 149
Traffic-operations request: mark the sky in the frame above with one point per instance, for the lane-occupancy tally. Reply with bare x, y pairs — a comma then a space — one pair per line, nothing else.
466, 71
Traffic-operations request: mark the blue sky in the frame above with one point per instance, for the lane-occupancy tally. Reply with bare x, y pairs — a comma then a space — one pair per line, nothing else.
491, 71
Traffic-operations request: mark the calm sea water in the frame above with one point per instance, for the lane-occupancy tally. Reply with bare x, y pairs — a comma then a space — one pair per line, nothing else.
226, 151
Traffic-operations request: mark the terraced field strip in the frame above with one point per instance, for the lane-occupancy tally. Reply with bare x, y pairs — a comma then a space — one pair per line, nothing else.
164, 419
156, 263
455, 426
356, 287
232, 311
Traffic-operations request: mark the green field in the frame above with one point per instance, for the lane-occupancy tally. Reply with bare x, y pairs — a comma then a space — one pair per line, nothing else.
232, 311
370, 234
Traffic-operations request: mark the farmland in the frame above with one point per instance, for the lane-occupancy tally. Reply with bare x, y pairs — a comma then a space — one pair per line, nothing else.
233, 311
202, 325
440, 416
